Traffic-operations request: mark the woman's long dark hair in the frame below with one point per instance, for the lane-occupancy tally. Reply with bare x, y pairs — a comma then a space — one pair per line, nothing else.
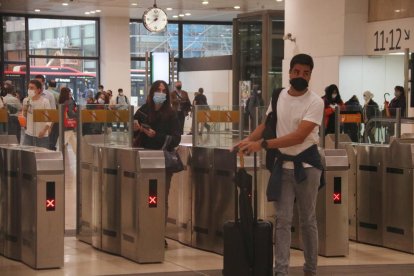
64, 95
165, 111
328, 94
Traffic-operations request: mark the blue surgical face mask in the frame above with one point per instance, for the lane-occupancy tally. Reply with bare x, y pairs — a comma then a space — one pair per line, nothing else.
159, 98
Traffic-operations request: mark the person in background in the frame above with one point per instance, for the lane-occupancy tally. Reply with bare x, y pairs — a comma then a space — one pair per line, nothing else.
36, 132
399, 101
180, 103
65, 99
369, 111
153, 122
299, 115
254, 101
13, 106
47, 94
331, 99
352, 129
101, 88
192, 112
52, 88
122, 103
201, 100
54, 132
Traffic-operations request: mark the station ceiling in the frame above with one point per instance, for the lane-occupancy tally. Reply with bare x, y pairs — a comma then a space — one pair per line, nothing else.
215, 10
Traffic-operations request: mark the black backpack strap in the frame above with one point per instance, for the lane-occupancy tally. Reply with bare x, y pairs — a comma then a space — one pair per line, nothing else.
275, 98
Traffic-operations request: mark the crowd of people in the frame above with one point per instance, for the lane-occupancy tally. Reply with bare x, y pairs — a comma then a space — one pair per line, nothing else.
368, 111
46, 95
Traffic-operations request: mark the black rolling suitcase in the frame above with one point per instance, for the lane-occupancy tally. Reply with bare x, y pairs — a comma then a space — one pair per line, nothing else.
248, 245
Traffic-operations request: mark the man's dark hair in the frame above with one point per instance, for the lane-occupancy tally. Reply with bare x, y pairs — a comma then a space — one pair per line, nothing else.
40, 77
120, 90
52, 83
37, 83
303, 59
101, 86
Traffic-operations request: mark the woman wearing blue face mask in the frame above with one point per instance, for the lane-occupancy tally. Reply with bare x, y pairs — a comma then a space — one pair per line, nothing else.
153, 121
156, 119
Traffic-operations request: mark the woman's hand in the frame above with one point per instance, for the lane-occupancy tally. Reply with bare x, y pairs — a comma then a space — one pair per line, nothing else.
137, 126
149, 132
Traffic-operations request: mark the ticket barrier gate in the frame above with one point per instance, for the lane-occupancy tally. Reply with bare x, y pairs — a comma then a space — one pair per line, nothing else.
179, 204
143, 204
370, 187
346, 143
201, 166
10, 191
43, 202
331, 207
96, 196
106, 206
110, 211
213, 172
222, 192
84, 228
398, 196
8, 139
352, 189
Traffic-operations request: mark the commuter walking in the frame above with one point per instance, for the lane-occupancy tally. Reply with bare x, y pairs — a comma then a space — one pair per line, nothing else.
331, 99
352, 129
69, 118
254, 101
369, 111
399, 101
299, 114
153, 122
180, 103
201, 100
13, 106
36, 132
122, 103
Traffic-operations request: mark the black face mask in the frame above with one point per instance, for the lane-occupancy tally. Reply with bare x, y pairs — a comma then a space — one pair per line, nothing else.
178, 87
299, 84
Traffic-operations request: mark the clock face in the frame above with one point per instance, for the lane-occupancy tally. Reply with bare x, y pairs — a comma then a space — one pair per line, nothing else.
155, 19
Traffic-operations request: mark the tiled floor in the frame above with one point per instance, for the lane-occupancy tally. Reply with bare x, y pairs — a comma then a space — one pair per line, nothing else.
82, 259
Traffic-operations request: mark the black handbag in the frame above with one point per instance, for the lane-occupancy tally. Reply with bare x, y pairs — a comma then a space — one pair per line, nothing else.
173, 163
270, 129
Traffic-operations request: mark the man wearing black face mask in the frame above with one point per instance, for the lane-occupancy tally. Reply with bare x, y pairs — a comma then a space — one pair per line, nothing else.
180, 103
298, 167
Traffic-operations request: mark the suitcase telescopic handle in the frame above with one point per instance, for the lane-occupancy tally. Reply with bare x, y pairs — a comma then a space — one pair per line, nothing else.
241, 156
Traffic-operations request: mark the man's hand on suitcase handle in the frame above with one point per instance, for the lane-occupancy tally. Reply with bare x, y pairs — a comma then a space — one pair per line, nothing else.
246, 147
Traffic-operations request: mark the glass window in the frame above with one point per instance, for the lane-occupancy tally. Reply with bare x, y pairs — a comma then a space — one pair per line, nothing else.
77, 74
14, 38
201, 40
142, 40
63, 37
15, 72
138, 92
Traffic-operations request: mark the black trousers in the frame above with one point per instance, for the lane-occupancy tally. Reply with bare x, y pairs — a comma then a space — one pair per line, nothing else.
181, 119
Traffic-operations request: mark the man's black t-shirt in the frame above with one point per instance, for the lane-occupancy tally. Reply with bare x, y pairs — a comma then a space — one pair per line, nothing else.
200, 99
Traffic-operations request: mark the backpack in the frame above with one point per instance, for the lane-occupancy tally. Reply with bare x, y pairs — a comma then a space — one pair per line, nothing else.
117, 99
270, 129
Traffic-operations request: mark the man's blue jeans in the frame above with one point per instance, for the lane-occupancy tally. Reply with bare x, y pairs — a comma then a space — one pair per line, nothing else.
305, 193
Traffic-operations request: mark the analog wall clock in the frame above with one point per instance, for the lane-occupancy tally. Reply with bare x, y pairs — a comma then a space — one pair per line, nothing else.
155, 19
